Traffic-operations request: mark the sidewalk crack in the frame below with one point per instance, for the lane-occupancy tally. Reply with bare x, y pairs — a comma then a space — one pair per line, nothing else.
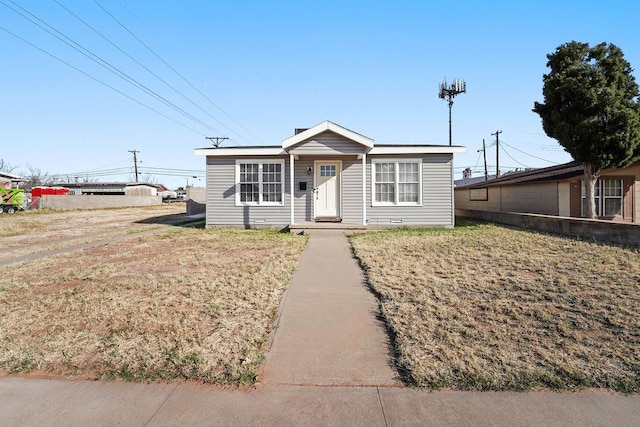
161, 405
384, 416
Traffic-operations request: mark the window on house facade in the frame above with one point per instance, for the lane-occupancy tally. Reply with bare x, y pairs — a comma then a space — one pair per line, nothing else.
396, 182
259, 182
608, 197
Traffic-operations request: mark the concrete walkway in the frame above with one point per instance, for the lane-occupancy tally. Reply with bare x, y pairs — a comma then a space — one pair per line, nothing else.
328, 365
328, 332
31, 402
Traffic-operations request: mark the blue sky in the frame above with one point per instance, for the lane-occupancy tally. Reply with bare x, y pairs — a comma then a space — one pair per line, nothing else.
267, 67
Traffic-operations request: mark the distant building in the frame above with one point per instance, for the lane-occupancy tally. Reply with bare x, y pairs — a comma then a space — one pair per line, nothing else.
10, 180
112, 188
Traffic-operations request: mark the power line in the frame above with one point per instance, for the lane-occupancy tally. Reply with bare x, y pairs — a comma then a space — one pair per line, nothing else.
96, 79
511, 157
98, 60
130, 170
177, 170
530, 155
175, 71
144, 67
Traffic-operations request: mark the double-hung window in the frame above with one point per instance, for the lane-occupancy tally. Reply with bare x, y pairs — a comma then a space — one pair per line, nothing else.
260, 182
396, 182
608, 197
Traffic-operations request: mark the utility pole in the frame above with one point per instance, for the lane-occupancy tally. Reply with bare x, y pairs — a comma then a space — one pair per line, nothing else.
484, 154
497, 134
216, 140
135, 161
449, 92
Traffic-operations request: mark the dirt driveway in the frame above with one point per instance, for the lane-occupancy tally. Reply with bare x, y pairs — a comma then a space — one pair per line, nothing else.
33, 235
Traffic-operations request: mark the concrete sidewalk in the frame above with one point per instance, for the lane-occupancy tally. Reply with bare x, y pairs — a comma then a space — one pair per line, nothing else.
329, 364
328, 331
31, 402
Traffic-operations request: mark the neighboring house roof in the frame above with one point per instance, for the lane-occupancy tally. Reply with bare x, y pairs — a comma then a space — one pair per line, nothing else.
468, 181
12, 177
326, 126
553, 173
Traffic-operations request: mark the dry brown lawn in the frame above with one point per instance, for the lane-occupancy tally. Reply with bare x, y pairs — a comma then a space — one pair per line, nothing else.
34, 232
484, 307
184, 304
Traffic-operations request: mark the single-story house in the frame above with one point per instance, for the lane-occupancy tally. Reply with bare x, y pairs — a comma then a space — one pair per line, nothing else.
329, 173
557, 190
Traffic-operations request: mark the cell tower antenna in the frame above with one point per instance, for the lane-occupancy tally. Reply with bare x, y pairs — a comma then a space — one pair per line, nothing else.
449, 92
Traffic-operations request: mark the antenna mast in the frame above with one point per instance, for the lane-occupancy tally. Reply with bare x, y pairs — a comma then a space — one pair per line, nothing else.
448, 93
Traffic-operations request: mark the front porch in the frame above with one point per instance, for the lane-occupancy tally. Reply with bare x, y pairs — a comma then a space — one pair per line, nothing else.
312, 225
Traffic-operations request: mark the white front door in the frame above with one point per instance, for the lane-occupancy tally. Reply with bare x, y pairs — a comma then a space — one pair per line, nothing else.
327, 189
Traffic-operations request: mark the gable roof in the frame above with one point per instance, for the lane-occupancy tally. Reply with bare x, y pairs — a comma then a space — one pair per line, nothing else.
552, 173
323, 127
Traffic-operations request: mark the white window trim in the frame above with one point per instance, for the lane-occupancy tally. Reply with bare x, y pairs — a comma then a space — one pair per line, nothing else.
397, 172
260, 163
600, 200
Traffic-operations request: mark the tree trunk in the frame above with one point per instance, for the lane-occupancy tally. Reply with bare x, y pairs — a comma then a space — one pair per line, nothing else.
590, 179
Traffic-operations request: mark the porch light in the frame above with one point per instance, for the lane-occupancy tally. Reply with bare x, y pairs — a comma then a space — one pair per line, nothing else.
309, 170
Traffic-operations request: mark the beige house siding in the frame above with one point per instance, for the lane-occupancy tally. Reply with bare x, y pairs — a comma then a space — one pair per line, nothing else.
526, 198
463, 200
531, 198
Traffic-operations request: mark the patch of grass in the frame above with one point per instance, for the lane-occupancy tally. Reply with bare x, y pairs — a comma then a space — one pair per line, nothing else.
194, 304
483, 307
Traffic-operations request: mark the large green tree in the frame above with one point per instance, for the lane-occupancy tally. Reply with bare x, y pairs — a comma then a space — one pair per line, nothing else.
591, 107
